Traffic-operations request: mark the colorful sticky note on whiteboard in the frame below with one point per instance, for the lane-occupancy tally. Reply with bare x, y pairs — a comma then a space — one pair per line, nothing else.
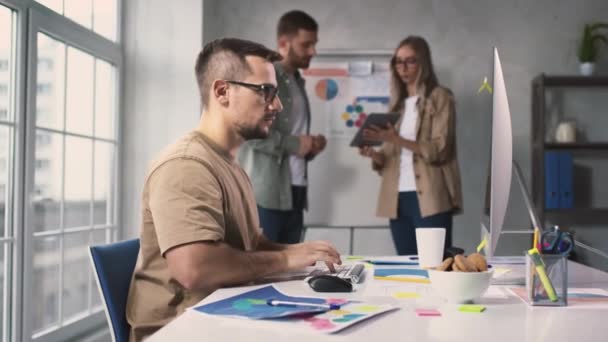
428, 313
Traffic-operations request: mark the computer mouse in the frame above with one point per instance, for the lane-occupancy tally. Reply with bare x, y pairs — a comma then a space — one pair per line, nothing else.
329, 283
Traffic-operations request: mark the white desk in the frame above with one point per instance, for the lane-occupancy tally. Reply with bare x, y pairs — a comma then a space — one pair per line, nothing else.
504, 319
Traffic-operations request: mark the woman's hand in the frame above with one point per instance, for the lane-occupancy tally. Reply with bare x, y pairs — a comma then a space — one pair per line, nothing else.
366, 151
375, 133
369, 152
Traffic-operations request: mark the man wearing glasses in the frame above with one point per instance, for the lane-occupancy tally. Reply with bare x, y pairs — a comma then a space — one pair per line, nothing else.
277, 165
200, 229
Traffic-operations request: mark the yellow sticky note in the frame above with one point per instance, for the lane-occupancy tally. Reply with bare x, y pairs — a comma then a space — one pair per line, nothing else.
339, 312
482, 244
406, 295
365, 308
485, 86
472, 308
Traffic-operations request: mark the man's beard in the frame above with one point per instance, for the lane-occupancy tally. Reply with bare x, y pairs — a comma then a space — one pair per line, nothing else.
253, 132
299, 62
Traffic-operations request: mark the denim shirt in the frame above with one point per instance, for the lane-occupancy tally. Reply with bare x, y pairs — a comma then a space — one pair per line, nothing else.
266, 161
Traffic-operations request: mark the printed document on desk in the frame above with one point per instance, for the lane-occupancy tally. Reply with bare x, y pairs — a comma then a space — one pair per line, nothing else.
254, 305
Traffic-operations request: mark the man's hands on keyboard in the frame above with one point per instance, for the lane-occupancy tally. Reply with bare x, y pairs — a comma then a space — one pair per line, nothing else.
303, 254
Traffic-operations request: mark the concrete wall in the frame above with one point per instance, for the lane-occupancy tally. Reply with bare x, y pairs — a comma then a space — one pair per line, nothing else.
161, 41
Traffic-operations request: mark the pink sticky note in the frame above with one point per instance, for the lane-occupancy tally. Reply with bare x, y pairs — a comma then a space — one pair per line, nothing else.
428, 312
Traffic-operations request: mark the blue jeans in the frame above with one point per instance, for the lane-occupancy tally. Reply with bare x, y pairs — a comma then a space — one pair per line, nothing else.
403, 228
285, 226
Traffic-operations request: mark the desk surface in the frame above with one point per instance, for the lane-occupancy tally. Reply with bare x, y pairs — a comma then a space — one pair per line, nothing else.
505, 319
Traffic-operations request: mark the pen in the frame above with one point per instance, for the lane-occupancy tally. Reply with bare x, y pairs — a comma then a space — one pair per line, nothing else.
274, 302
542, 275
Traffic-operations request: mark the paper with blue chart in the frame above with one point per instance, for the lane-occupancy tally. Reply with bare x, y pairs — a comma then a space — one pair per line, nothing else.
347, 92
254, 305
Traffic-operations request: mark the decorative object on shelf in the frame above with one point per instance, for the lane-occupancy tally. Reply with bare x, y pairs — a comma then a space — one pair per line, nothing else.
589, 47
566, 132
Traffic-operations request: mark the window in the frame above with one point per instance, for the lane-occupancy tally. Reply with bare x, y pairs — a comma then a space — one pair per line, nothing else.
42, 138
73, 181
39, 190
44, 88
42, 164
7, 130
58, 148
99, 15
45, 64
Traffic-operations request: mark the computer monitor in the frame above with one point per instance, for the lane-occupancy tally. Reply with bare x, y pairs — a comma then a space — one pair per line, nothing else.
501, 157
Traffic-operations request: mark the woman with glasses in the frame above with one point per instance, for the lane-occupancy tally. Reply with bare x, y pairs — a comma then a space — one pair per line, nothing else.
417, 161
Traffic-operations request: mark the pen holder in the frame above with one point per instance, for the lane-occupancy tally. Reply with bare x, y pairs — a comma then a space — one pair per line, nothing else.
547, 284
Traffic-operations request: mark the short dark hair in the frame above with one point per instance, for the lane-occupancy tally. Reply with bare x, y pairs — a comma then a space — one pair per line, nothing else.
292, 21
225, 59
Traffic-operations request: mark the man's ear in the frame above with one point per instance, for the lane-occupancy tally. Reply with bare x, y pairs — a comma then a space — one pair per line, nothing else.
283, 44
220, 91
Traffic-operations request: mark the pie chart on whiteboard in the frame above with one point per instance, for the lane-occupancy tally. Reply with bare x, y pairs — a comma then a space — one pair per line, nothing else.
326, 89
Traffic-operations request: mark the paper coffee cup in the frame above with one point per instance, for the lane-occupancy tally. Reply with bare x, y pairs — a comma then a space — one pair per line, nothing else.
430, 243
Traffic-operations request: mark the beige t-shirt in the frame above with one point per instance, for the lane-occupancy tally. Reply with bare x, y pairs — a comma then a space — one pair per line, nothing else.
194, 192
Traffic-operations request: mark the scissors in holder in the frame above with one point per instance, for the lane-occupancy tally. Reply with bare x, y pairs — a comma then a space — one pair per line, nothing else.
556, 242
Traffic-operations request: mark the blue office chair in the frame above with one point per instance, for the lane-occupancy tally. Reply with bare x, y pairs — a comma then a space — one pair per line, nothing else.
114, 265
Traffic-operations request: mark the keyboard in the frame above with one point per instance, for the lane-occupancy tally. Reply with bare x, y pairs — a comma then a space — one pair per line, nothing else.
352, 273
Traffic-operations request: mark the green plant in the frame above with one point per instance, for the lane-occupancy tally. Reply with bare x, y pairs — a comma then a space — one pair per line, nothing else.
591, 39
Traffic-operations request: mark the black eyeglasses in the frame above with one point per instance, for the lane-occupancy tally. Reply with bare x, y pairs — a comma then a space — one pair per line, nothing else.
410, 61
269, 91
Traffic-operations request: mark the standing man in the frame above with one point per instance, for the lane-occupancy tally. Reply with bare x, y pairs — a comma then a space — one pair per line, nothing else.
200, 228
277, 165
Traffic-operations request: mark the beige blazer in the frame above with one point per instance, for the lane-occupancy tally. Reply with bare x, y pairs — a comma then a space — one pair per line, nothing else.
436, 167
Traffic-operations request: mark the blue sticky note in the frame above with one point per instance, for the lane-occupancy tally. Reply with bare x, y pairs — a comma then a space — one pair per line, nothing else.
401, 271
392, 263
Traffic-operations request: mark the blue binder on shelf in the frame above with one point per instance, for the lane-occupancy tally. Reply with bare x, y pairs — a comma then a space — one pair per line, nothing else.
566, 196
552, 180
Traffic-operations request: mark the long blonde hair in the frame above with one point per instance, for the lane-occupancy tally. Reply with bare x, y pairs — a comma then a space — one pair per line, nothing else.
427, 81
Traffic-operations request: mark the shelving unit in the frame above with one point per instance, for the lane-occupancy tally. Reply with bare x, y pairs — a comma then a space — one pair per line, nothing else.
540, 85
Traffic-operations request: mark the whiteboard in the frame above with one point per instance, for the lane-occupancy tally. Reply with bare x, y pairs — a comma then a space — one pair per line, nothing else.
342, 88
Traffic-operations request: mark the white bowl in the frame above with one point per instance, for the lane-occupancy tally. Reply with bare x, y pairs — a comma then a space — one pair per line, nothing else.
460, 287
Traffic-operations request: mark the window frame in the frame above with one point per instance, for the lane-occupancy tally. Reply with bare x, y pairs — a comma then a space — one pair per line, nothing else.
29, 19
13, 294
56, 26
